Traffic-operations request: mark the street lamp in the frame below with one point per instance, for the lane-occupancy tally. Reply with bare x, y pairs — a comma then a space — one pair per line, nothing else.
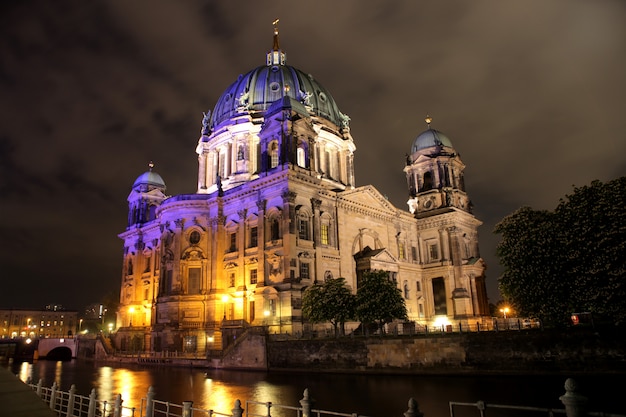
504, 312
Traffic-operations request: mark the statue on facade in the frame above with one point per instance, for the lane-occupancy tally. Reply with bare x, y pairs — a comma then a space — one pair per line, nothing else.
206, 120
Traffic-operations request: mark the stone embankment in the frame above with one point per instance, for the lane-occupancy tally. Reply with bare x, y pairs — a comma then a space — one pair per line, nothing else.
569, 351
488, 352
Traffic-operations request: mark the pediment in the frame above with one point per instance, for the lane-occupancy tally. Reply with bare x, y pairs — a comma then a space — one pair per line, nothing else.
370, 197
378, 255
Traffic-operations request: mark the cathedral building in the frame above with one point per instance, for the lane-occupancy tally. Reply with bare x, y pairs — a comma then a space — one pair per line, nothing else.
276, 210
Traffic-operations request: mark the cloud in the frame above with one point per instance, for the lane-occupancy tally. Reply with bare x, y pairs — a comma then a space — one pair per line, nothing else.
530, 93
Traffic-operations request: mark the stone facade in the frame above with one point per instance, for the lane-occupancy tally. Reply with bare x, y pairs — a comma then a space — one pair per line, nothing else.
276, 211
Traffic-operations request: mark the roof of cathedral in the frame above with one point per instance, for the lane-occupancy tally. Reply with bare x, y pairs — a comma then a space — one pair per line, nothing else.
149, 178
256, 90
430, 138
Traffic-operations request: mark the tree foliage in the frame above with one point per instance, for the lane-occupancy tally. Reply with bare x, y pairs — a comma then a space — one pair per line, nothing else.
568, 260
331, 301
379, 300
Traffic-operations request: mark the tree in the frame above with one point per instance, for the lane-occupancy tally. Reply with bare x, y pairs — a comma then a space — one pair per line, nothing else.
593, 222
532, 280
569, 260
331, 301
379, 300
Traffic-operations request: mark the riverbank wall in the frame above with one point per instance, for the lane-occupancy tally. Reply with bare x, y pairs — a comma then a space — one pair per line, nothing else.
489, 352
570, 351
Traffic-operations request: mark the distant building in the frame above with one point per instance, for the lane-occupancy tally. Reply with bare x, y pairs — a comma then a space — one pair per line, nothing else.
277, 210
43, 323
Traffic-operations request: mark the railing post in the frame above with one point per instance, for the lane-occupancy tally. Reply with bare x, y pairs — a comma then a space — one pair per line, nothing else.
53, 395
187, 411
237, 411
91, 412
306, 404
413, 410
39, 384
150, 402
575, 404
70, 401
117, 406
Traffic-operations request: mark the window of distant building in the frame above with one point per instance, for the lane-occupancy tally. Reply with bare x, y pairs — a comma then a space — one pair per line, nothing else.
433, 250
303, 226
428, 181
148, 262
193, 281
232, 239
324, 234
304, 270
274, 228
301, 157
273, 155
254, 237
326, 230
401, 253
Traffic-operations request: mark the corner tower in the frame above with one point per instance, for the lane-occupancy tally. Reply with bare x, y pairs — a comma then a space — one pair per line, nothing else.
447, 229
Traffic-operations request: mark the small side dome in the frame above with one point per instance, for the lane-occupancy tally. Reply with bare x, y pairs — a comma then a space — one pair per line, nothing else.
149, 180
429, 139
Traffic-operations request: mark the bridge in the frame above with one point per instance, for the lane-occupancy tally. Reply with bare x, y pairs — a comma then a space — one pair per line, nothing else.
58, 348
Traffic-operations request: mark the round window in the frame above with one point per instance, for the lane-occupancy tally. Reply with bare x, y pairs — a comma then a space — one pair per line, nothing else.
194, 237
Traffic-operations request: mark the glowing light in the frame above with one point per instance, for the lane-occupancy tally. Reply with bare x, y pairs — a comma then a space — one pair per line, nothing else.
224, 298
441, 321
28, 341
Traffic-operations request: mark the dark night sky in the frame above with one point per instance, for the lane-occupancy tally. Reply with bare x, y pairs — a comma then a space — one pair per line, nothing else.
532, 94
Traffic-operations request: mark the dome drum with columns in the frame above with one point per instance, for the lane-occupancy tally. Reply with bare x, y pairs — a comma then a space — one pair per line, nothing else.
277, 210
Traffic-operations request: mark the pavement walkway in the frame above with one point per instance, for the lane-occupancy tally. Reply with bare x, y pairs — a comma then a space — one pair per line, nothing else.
18, 400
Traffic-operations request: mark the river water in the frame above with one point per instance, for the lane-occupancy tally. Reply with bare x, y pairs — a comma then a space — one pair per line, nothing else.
370, 395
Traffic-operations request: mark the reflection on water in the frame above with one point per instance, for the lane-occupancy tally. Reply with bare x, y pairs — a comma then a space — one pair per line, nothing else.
370, 395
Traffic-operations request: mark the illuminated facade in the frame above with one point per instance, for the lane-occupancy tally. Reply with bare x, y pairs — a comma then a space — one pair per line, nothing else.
277, 210
21, 323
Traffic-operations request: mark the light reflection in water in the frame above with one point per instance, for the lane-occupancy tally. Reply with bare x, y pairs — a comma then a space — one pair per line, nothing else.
373, 395
26, 372
58, 372
133, 385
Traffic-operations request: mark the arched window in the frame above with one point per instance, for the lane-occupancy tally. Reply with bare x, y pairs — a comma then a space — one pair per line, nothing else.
274, 228
428, 181
273, 155
304, 226
326, 230
301, 157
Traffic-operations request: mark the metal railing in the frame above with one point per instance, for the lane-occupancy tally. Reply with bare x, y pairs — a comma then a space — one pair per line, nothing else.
70, 404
